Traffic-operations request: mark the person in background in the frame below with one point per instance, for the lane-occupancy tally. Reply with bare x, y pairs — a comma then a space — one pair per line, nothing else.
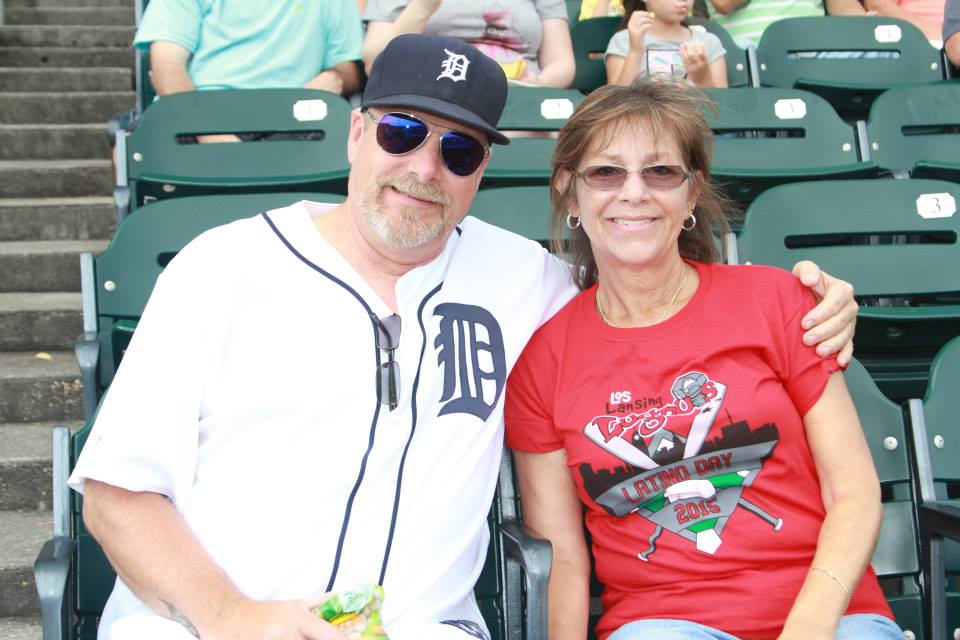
951, 31
655, 42
728, 487
530, 39
746, 20
260, 44
926, 15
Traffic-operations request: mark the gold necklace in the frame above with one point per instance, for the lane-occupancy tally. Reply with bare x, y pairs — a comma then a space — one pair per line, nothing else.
663, 313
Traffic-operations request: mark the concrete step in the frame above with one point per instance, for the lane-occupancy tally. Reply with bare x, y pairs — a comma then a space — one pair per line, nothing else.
25, 466
65, 36
39, 390
42, 321
57, 108
84, 218
71, 15
55, 178
26, 79
53, 141
69, 3
22, 533
66, 57
45, 265
20, 628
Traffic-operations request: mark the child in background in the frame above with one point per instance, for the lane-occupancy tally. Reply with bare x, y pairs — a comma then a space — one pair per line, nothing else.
656, 42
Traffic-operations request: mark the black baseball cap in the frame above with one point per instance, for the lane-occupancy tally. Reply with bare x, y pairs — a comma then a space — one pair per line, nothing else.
443, 76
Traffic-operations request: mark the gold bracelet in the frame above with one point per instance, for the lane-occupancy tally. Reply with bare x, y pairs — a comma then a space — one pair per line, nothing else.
845, 588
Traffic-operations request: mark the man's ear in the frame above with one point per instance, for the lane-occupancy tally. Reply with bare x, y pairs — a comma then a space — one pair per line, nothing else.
355, 134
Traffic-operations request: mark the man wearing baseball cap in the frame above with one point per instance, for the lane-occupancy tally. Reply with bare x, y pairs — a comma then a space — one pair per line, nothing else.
339, 422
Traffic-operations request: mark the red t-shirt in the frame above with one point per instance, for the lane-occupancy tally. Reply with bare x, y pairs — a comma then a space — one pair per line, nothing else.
686, 444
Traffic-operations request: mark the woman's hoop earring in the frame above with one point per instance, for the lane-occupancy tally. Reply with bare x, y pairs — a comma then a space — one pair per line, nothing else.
573, 222
692, 218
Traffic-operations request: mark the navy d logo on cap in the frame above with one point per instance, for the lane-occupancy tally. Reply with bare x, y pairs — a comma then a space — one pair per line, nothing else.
454, 67
442, 76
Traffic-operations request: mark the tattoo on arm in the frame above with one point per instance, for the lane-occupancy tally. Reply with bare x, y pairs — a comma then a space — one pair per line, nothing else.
182, 619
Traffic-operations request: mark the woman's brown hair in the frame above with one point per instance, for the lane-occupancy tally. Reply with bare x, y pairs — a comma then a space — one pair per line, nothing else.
667, 109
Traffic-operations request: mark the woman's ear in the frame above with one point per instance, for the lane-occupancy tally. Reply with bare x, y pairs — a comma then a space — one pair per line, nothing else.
566, 191
694, 189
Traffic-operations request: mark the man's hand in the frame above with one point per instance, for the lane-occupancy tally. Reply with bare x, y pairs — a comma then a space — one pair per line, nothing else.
694, 57
830, 324
246, 619
640, 22
328, 80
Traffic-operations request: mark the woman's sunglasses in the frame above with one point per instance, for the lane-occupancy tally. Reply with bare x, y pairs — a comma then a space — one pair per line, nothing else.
400, 133
661, 177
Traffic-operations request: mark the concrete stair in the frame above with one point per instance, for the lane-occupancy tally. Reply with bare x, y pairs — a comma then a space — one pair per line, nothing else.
59, 108
113, 16
66, 57
53, 141
44, 265
65, 36
86, 79
66, 66
84, 218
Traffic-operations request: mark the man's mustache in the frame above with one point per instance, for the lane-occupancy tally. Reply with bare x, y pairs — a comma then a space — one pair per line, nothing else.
410, 186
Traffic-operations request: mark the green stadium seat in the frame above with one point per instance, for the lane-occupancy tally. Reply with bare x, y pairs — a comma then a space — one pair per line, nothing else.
158, 166
916, 130
896, 559
524, 210
934, 424
590, 39
823, 54
531, 117
145, 92
895, 240
768, 136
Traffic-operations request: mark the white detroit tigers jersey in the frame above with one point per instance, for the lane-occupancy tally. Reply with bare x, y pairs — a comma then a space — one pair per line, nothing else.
248, 396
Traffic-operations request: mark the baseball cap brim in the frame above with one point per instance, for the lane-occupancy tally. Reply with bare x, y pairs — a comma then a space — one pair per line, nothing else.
439, 107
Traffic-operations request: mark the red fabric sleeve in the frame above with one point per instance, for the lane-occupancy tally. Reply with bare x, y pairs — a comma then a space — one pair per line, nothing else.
528, 409
805, 375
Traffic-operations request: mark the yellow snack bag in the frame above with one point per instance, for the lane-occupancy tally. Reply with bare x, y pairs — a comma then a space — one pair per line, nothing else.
356, 613
514, 68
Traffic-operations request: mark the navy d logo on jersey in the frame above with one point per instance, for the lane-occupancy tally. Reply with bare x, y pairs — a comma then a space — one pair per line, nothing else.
470, 350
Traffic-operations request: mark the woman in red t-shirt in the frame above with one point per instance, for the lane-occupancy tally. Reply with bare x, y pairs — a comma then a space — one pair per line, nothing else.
728, 488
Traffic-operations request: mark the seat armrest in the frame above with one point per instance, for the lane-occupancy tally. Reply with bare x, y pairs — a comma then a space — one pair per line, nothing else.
51, 570
87, 350
535, 556
121, 201
941, 519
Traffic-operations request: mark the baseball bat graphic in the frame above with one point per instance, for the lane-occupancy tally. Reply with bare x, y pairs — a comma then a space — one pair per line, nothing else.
776, 523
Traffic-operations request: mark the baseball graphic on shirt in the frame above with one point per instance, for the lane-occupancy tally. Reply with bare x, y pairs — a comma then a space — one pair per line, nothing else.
676, 475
